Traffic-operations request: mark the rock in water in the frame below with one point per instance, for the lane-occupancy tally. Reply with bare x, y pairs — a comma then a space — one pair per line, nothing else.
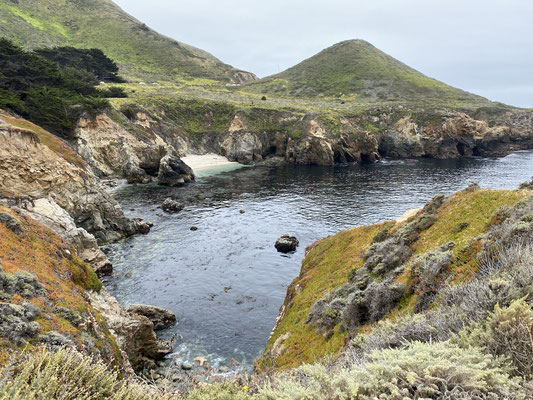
286, 243
160, 317
186, 366
174, 172
172, 206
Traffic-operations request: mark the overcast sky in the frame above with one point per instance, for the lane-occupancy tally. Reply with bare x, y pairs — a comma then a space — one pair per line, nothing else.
483, 46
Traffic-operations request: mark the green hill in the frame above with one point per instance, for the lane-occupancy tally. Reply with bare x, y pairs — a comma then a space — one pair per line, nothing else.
355, 68
139, 51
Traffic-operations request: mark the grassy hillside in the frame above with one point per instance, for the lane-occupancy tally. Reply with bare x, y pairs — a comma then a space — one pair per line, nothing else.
355, 68
139, 51
341, 260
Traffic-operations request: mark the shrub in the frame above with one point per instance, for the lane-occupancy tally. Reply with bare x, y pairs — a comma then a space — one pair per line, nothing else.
527, 185
221, 391
113, 91
430, 371
130, 111
45, 93
67, 375
507, 332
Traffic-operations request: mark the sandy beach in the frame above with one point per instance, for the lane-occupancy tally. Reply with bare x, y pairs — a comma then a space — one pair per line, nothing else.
209, 164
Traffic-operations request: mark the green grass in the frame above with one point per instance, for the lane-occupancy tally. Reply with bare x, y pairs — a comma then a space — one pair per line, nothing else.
354, 70
141, 52
328, 263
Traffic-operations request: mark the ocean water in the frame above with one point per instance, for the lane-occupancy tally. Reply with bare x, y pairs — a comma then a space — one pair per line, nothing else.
225, 281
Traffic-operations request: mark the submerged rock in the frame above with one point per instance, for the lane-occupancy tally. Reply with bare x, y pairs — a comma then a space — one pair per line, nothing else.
286, 243
160, 317
174, 172
172, 206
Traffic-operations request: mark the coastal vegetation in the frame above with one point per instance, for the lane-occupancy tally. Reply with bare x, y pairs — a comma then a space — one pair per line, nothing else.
435, 305
54, 94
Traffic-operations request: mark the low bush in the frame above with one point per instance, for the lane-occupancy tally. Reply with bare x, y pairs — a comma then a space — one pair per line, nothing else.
419, 371
506, 332
67, 375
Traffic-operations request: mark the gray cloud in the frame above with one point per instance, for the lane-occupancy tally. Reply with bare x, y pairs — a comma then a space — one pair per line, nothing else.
483, 46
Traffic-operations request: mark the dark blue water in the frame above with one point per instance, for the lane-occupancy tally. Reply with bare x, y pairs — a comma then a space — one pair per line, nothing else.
225, 281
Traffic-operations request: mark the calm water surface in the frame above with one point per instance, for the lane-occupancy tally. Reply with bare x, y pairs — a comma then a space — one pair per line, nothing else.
225, 281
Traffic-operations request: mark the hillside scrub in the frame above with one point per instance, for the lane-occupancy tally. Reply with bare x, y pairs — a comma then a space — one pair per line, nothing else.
67, 375
420, 280
43, 294
49, 95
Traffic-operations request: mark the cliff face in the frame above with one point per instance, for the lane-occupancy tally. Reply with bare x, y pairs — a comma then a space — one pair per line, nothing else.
436, 271
133, 147
36, 164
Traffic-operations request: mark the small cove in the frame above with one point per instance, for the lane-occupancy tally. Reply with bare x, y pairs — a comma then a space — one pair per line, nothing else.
225, 281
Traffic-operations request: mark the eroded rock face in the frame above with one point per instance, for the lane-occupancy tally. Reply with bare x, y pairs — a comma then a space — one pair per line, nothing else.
240, 77
243, 147
456, 135
111, 150
48, 213
174, 172
160, 317
33, 170
134, 333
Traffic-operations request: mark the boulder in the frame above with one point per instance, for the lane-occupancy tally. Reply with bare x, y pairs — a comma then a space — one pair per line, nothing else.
160, 317
172, 206
310, 150
243, 147
286, 243
134, 333
186, 366
174, 172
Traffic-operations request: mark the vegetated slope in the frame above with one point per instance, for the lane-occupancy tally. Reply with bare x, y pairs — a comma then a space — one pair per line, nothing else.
46, 93
356, 68
435, 306
377, 286
42, 293
139, 51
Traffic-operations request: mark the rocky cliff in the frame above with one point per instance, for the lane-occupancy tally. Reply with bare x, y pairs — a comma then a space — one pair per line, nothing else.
37, 165
132, 147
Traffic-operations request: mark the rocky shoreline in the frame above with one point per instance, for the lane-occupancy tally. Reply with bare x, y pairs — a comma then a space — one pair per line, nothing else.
44, 179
